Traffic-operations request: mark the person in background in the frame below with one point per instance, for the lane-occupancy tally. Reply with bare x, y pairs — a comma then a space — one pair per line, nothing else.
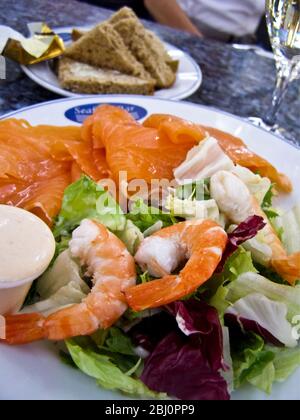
137, 5
224, 20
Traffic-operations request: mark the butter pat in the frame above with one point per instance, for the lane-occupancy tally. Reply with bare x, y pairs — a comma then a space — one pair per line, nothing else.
42, 44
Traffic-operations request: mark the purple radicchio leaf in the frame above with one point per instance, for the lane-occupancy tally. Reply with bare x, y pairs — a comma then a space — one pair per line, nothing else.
245, 231
233, 321
187, 362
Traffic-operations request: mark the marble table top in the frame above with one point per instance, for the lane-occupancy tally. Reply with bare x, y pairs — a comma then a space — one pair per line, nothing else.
240, 82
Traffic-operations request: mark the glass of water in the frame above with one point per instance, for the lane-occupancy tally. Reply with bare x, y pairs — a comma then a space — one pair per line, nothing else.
283, 19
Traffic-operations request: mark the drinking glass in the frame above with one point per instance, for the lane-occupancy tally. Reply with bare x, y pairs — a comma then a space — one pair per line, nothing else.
283, 20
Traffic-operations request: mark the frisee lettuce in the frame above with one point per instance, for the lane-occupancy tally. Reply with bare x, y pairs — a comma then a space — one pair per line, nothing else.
267, 203
197, 190
106, 372
144, 216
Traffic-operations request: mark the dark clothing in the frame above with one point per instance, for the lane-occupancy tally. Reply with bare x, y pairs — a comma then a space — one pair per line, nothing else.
136, 5
262, 35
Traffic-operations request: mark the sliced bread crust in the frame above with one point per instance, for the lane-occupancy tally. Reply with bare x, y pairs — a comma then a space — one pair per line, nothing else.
145, 46
83, 78
104, 47
172, 63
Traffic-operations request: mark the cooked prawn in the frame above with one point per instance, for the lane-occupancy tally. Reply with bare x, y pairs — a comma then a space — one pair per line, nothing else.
288, 266
235, 200
112, 269
201, 242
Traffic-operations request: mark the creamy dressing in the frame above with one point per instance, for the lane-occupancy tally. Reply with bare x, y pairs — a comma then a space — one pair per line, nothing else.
27, 245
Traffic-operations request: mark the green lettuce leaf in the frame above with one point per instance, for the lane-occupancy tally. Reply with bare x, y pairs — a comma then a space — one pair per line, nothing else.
59, 286
267, 203
118, 347
268, 198
131, 236
290, 225
257, 185
197, 190
252, 363
144, 216
107, 374
262, 365
86, 199
238, 263
118, 342
286, 362
193, 209
248, 283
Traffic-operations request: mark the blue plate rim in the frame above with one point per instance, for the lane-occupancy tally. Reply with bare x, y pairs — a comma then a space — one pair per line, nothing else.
106, 98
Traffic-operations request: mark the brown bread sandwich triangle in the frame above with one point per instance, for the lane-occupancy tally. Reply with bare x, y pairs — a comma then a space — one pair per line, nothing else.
103, 47
145, 46
82, 78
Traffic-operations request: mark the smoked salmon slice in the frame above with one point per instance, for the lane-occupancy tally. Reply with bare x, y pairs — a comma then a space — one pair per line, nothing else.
177, 128
42, 197
57, 139
99, 158
105, 121
142, 152
83, 155
76, 172
36, 164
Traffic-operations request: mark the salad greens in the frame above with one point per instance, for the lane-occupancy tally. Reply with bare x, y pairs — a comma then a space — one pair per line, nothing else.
198, 190
259, 364
248, 283
260, 251
238, 263
266, 204
286, 361
131, 236
105, 371
59, 286
255, 312
289, 222
193, 209
86, 199
145, 217
240, 327
186, 351
252, 362
259, 186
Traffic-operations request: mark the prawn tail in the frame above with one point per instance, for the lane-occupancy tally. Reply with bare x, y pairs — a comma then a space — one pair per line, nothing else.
22, 329
284, 183
155, 293
288, 267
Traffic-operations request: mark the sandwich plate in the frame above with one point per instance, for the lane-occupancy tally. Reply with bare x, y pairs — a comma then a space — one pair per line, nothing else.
189, 75
35, 371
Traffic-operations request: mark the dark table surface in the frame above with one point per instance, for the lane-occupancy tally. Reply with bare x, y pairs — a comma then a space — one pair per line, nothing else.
240, 82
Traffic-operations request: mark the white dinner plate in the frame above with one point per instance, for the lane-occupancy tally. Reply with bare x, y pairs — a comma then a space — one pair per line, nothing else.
189, 75
35, 371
